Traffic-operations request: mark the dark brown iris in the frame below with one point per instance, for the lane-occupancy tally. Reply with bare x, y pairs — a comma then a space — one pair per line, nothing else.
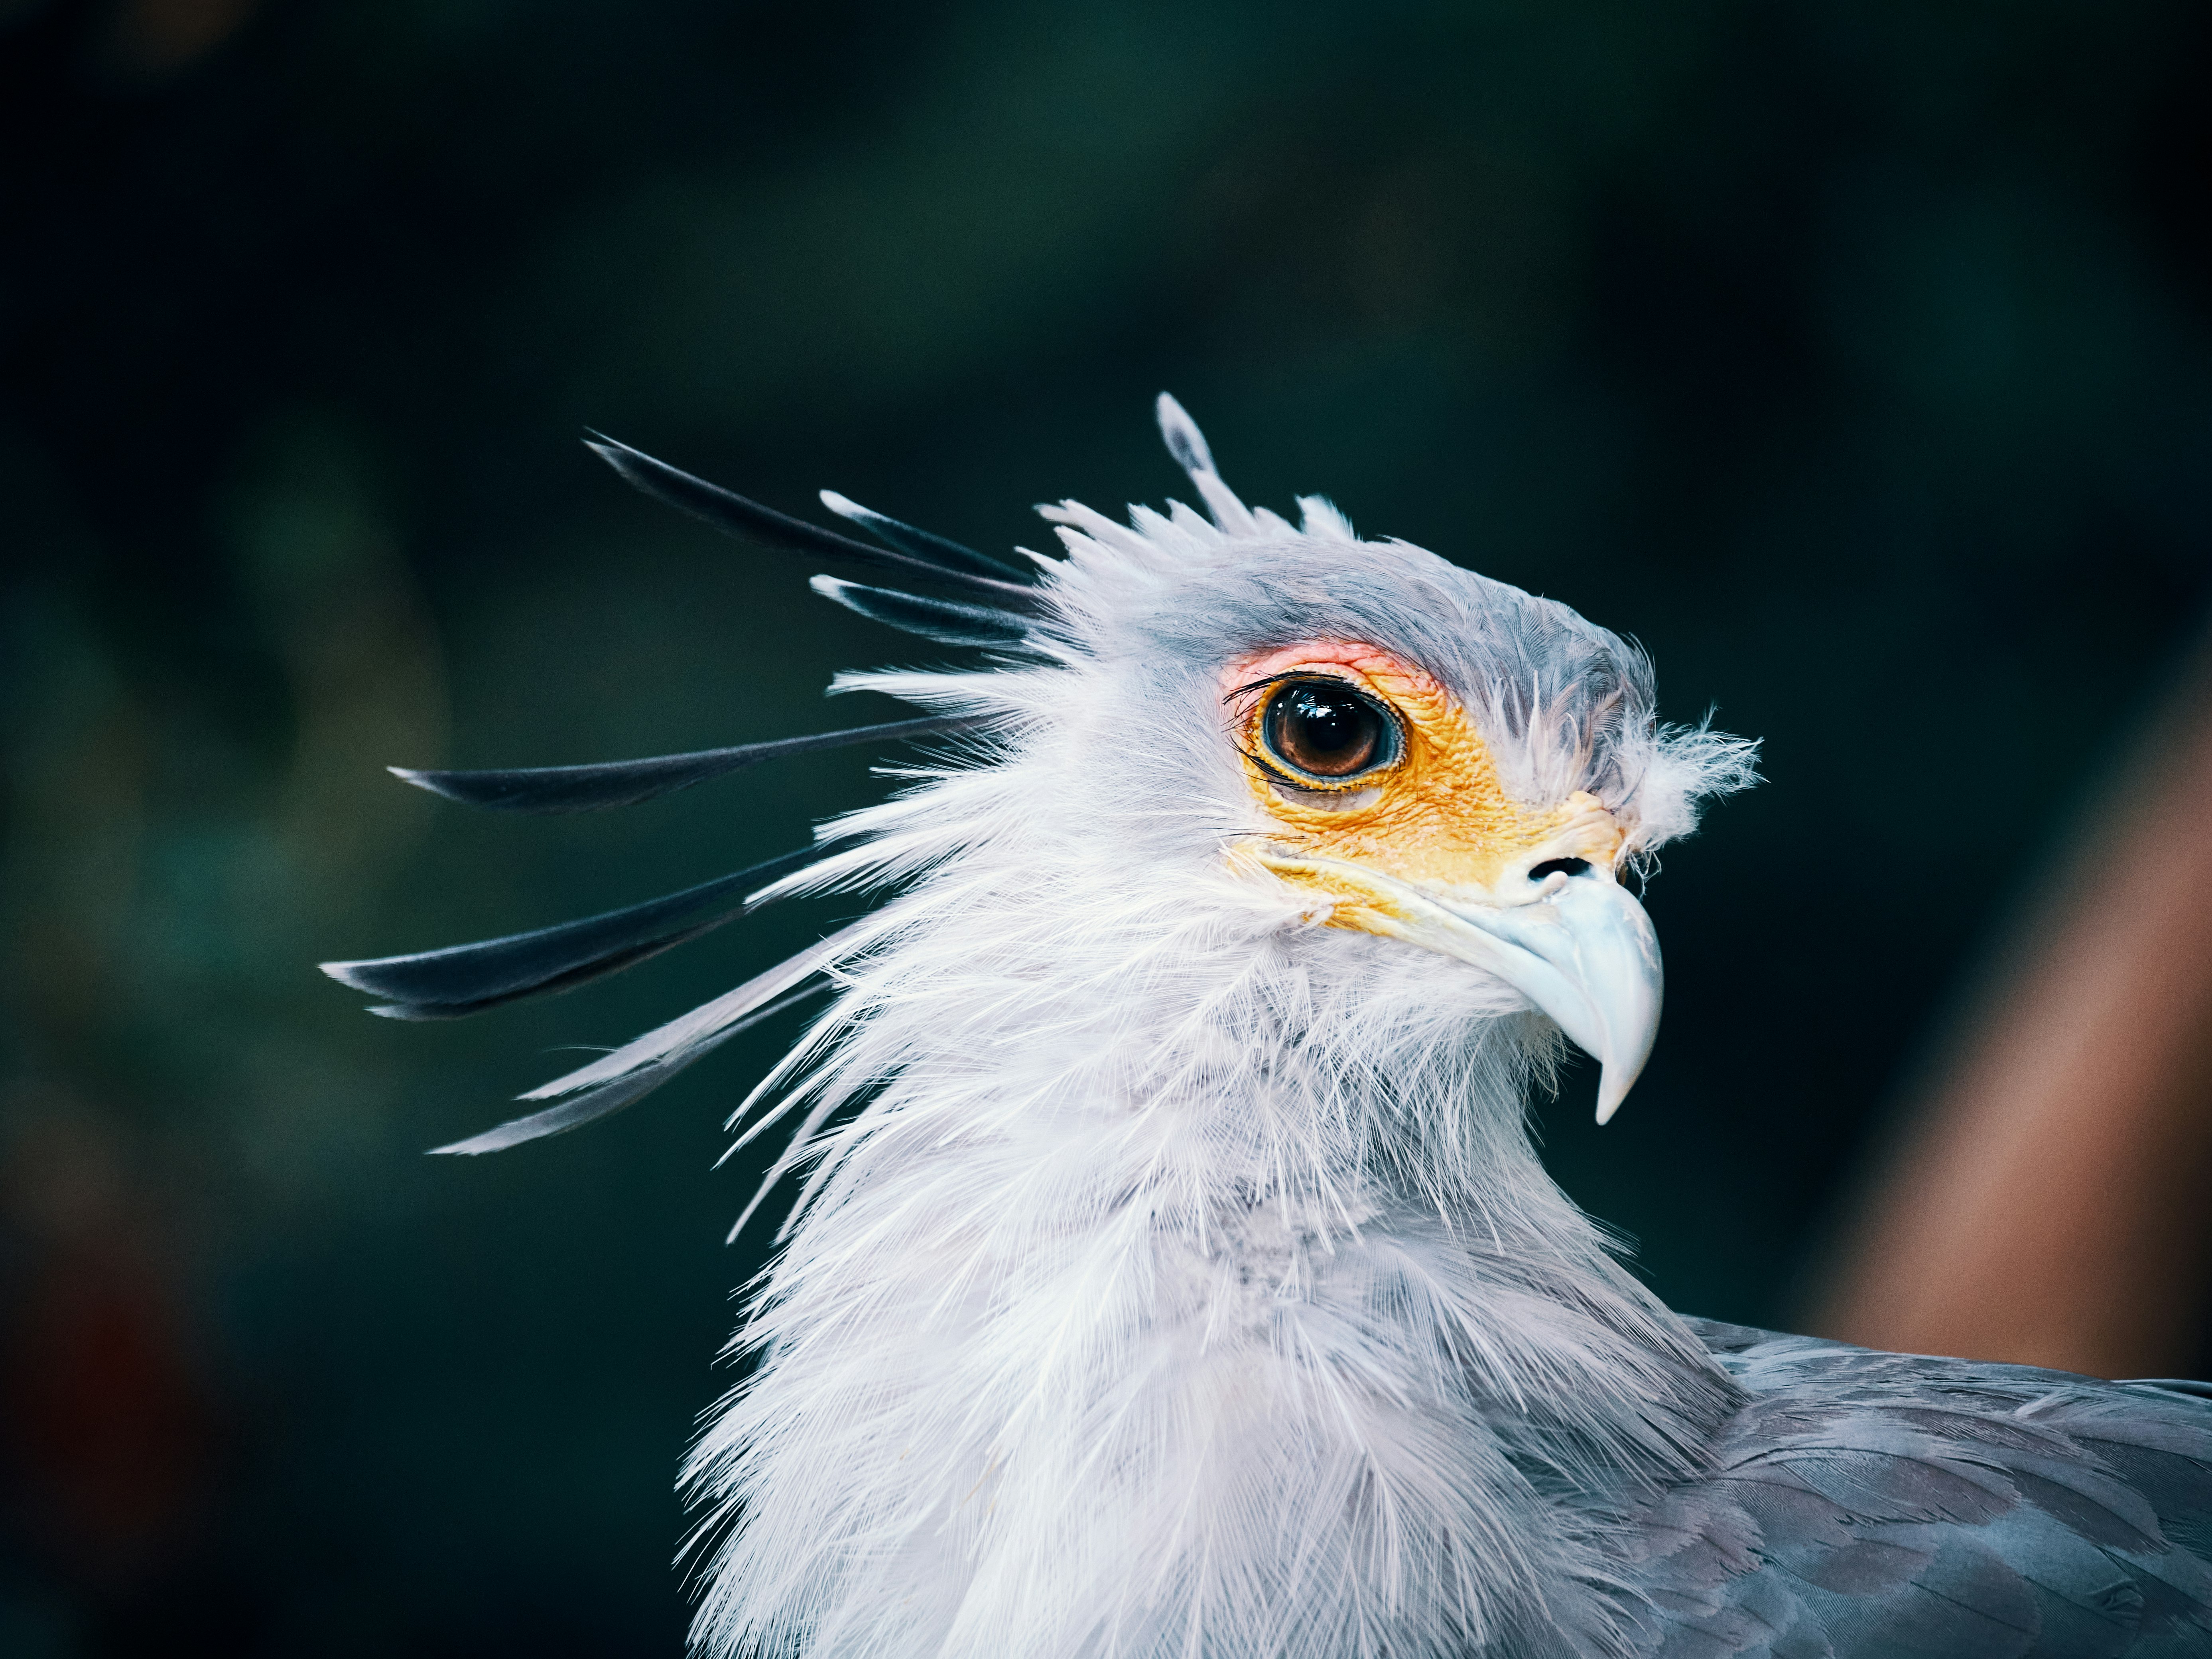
1326, 730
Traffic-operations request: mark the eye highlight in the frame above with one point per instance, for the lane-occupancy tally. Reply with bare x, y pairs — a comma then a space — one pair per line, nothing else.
1326, 733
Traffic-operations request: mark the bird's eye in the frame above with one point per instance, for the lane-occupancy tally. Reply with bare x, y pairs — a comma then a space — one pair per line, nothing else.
1327, 732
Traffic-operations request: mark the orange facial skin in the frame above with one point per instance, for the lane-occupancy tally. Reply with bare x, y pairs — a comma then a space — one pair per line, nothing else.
1437, 817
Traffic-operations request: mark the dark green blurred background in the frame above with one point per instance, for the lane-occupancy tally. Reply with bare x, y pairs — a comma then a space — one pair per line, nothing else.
1854, 356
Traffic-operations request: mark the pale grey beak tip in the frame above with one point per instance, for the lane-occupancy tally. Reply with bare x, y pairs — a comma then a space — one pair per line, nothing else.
1611, 1091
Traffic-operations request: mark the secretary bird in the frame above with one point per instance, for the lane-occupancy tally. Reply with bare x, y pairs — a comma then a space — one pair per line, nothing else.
1173, 1274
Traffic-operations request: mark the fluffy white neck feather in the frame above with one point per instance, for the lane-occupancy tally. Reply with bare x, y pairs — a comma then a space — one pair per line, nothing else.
1182, 1280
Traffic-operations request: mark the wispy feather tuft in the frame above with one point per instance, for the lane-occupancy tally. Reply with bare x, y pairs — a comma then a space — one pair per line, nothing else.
609, 1098
1189, 446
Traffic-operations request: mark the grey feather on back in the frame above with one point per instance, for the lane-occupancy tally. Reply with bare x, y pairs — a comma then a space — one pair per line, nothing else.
1868, 1505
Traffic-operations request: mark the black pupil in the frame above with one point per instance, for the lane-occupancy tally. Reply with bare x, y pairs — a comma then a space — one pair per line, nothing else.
1327, 732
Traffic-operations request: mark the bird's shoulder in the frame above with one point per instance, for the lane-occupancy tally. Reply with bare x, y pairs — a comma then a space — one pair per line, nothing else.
1863, 1505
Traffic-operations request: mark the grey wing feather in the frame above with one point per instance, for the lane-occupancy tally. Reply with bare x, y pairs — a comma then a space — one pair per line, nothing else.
1866, 1505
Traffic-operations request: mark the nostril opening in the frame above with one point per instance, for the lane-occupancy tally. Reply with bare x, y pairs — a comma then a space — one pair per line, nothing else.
1564, 866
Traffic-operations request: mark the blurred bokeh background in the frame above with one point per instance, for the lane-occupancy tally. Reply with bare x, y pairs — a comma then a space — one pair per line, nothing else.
1856, 357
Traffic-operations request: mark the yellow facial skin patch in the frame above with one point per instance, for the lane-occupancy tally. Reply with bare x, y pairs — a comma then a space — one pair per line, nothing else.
1437, 817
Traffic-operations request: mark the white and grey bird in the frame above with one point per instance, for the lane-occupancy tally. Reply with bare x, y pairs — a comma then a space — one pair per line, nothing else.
1173, 1274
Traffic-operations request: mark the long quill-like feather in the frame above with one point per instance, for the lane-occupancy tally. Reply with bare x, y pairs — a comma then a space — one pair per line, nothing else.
598, 786
917, 544
764, 526
468, 978
945, 621
611, 1097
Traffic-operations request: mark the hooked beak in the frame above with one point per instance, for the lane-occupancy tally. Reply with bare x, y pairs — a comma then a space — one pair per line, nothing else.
1577, 945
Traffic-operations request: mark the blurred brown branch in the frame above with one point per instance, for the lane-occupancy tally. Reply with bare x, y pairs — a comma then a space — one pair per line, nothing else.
2048, 1201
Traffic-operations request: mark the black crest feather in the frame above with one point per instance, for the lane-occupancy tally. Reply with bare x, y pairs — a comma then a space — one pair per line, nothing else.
602, 784
468, 978
943, 620
917, 544
764, 526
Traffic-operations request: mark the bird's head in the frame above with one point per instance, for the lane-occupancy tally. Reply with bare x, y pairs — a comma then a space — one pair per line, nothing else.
1376, 769
1382, 798
1380, 744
